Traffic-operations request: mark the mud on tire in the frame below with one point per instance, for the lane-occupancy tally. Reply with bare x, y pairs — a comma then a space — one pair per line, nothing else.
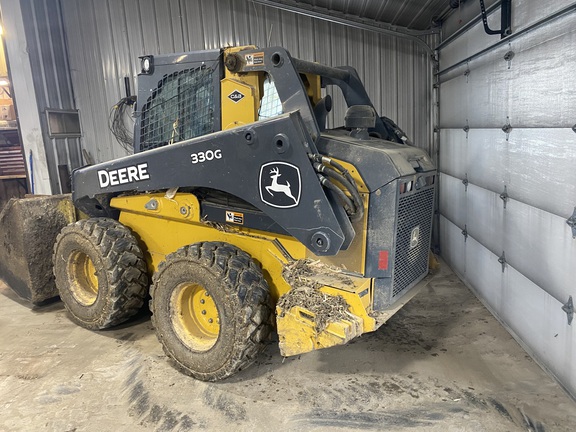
100, 272
211, 309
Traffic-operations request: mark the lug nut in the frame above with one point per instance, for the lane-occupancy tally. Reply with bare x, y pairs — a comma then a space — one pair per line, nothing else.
202, 301
203, 312
210, 320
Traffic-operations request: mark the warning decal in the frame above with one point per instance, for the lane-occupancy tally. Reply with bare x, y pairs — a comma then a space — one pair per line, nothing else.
254, 59
234, 217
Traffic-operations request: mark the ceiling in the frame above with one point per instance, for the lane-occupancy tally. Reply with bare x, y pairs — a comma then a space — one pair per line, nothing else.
410, 14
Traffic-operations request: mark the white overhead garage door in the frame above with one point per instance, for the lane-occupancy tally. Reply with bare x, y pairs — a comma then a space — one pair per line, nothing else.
508, 174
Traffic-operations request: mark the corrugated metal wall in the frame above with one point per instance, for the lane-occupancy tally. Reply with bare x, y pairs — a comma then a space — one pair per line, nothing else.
49, 62
533, 92
105, 38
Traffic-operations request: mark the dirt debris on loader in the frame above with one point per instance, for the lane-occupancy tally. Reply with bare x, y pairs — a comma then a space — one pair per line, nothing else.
302, 275
326, 308
314, 272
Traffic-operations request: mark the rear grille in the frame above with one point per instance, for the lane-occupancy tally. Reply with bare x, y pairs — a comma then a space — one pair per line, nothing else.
411, 260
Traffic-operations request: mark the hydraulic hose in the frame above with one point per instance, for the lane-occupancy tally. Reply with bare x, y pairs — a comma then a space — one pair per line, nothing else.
358, 207
354, 189
337, 172
346, 202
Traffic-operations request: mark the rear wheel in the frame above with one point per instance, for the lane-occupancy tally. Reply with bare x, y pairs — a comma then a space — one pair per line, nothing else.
100, 272
211, 309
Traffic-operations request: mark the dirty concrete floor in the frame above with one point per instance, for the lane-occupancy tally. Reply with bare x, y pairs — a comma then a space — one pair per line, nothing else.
443, 363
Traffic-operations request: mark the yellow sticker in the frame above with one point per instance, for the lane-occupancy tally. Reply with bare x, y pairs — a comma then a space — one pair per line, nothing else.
233, 217
254, 59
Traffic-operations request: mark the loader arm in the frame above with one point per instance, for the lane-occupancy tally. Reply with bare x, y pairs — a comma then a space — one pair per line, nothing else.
286, 72
237, 161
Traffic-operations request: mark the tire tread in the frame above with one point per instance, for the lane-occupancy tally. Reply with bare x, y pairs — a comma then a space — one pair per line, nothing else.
124, 265
238, 269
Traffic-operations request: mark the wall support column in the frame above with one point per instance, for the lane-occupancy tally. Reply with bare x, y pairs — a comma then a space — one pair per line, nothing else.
24, 95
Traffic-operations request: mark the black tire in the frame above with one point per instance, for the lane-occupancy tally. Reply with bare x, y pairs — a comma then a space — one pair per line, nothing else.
100, 272
228, 279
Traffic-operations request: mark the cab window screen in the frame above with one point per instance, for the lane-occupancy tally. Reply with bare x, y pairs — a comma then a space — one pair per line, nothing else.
180, 108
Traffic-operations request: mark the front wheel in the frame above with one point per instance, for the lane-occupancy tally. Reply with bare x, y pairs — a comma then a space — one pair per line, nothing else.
100, 272
211, 309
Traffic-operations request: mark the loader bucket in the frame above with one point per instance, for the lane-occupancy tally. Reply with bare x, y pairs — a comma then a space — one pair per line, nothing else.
28, 230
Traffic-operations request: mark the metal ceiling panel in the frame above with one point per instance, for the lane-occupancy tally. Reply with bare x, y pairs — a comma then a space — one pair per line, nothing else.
417, 15
467, 12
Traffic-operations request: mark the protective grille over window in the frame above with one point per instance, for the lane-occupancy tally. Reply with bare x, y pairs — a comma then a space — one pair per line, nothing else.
180, 108
270, 106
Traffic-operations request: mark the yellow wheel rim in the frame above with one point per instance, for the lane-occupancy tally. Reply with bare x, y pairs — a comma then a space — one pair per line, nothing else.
83, 281
195, 317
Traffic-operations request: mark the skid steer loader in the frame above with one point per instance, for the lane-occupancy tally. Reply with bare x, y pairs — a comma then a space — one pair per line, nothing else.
240, 211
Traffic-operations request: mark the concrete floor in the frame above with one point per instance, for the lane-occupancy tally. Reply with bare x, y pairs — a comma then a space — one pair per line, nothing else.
443, 363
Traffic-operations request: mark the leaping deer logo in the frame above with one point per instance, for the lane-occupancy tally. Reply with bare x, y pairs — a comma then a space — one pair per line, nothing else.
279, 187
284, 194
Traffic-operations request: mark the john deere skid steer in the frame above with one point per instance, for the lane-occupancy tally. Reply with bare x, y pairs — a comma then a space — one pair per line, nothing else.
239, 212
